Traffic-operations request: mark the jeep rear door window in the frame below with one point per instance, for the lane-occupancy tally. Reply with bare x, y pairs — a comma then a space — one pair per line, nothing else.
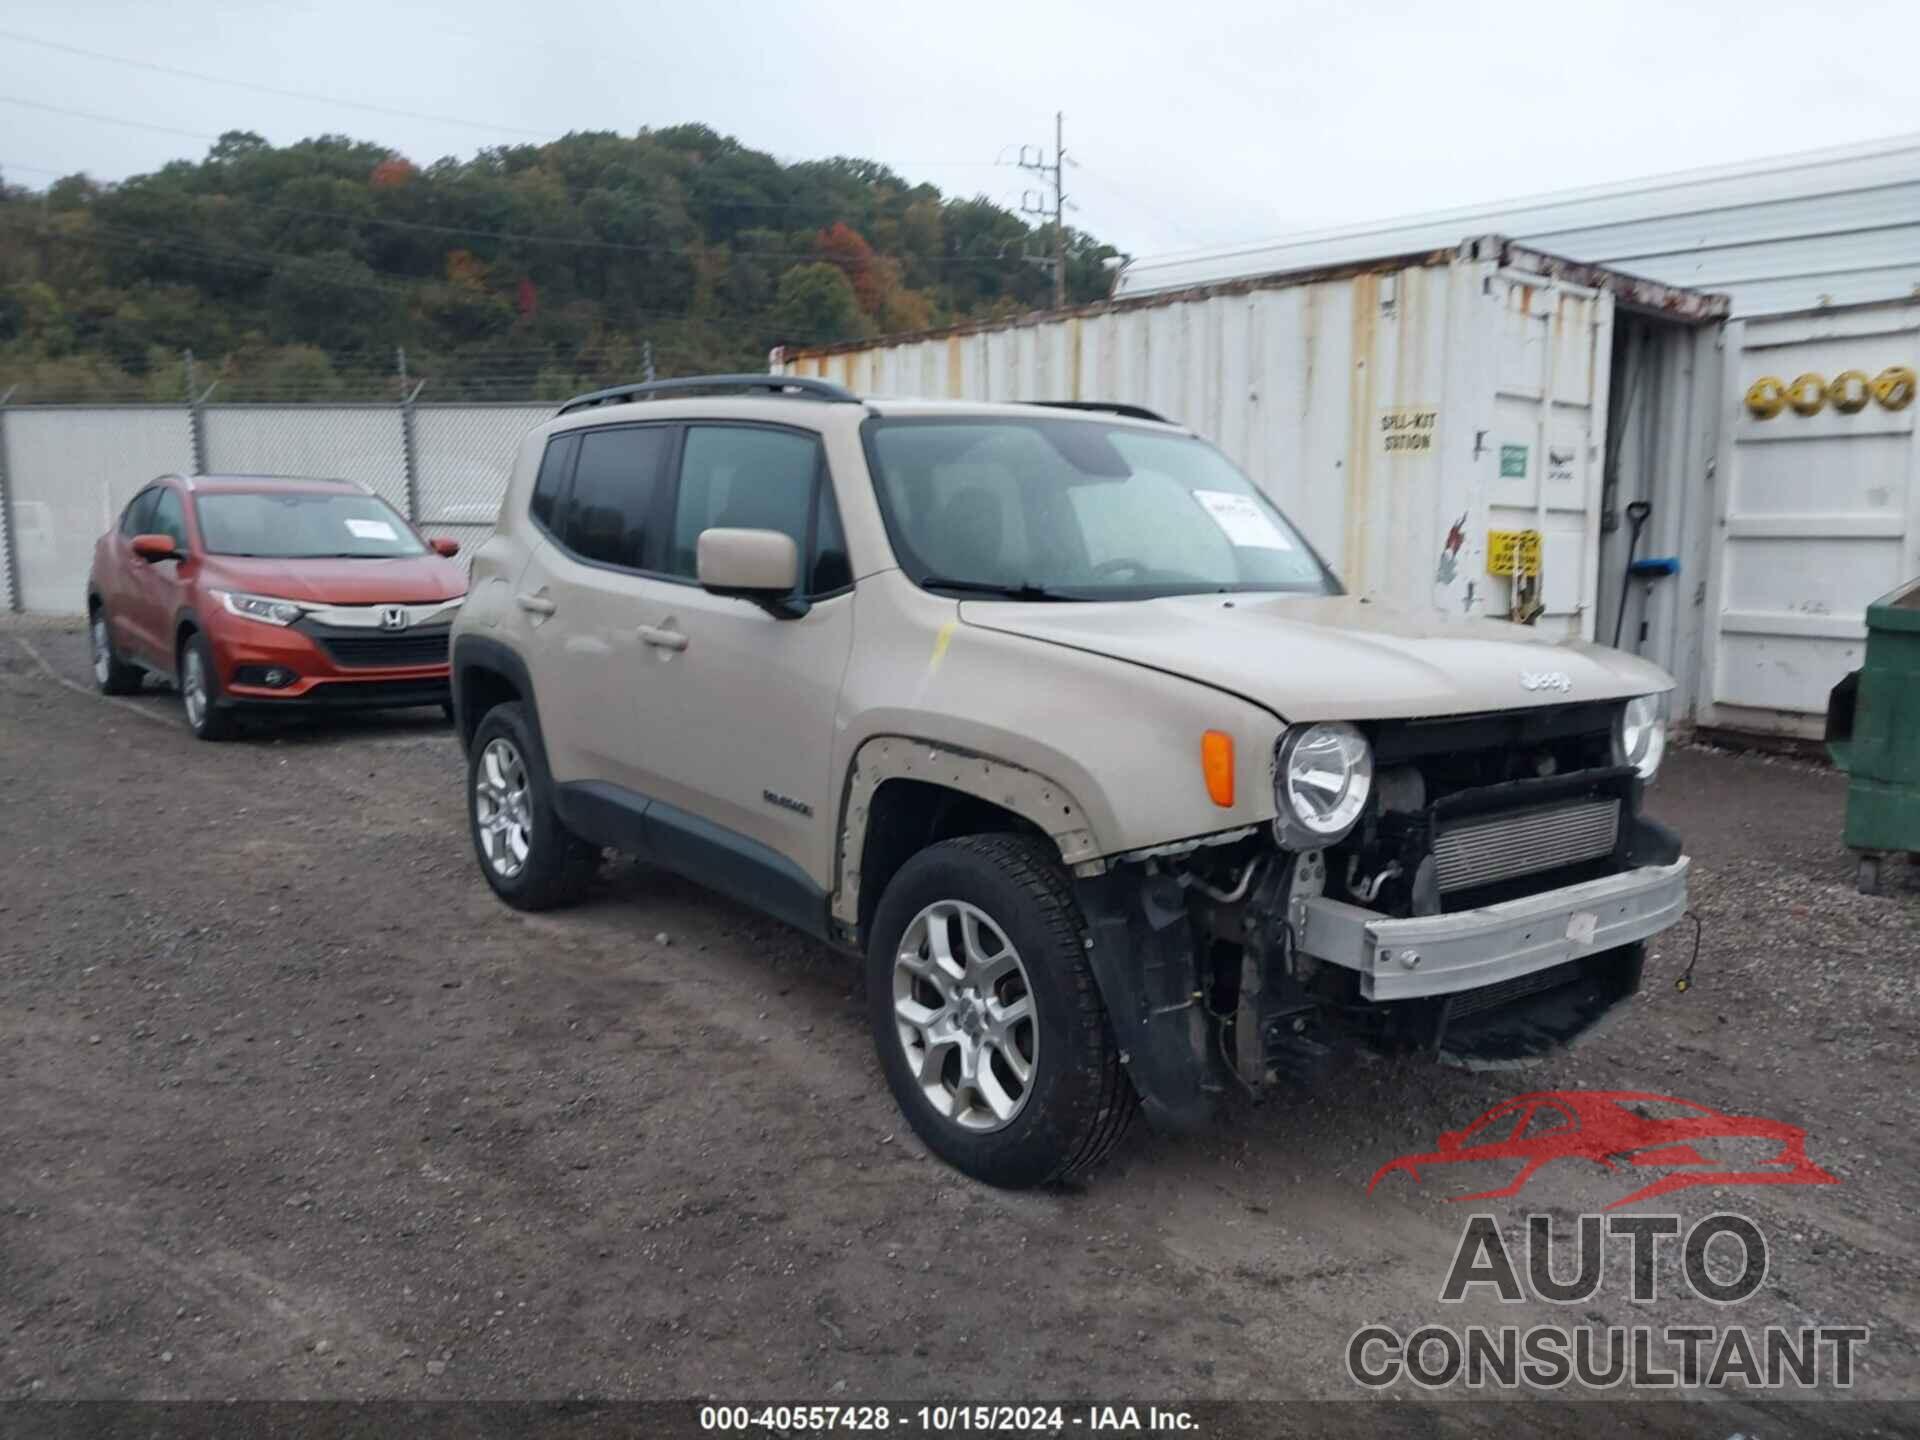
1079, 510
612, 509
743, 477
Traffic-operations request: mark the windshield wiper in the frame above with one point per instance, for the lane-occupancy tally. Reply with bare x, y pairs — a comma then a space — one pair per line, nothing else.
1022, 590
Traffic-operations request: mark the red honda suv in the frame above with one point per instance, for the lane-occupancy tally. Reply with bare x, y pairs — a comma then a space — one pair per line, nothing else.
272, 594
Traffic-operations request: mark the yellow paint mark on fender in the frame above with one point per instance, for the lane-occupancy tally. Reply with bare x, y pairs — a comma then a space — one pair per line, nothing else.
940, 643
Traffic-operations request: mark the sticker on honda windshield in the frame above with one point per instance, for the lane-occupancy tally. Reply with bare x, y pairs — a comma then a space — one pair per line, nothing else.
371, 530
1242, 520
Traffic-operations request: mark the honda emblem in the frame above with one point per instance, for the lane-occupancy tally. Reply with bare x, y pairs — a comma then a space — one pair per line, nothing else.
394, 617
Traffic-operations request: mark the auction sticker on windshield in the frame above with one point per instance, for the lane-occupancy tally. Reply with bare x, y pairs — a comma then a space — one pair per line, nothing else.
1242, 521
371, 529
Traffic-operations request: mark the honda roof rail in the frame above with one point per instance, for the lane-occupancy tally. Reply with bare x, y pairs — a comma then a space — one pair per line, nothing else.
795, 387
1106, 407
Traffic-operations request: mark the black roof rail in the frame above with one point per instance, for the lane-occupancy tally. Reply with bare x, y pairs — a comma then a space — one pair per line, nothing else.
798, 387
1106, 407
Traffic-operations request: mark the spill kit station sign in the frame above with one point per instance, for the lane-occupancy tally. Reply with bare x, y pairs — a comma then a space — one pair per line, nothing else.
1408, 429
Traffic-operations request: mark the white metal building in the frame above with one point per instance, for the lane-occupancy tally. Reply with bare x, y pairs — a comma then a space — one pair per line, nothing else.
1802, 232
1546, 385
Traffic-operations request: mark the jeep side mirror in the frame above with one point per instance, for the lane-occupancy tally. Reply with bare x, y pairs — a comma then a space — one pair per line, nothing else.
757, 565
153, 548
445, 548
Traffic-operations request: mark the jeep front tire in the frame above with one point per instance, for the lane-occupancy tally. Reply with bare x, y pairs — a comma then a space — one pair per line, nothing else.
986, 1015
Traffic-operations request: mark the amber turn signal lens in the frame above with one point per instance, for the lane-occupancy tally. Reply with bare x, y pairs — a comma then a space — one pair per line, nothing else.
1216, 763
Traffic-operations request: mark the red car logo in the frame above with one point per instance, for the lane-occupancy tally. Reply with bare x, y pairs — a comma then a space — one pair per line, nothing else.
1612, 1128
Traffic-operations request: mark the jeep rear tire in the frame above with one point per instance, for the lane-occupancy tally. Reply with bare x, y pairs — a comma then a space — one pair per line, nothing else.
985, 1012
531, 859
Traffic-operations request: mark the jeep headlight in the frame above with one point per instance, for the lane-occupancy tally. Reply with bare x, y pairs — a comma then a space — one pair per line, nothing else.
1640, 734
269, 608
1322, 775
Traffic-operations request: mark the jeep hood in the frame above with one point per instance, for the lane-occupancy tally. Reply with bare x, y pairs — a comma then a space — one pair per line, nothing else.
1335, 658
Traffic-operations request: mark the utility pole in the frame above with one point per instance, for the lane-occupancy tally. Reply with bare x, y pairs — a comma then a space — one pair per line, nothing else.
1055, 174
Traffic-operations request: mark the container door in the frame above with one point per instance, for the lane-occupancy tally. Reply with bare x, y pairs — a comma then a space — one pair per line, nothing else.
1818, 509
1541, 453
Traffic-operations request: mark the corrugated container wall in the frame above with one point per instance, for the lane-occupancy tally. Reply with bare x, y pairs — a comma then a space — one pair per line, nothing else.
1399, 415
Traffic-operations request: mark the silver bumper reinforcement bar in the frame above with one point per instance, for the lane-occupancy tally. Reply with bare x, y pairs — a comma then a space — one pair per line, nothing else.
1441, 954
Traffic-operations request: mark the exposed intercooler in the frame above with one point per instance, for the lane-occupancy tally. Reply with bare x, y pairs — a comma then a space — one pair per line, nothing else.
1486, 849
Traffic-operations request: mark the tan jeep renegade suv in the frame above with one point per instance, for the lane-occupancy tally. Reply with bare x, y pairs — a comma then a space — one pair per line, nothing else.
1048, 713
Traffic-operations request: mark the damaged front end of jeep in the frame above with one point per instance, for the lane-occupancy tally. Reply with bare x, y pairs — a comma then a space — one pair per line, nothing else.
1480, 888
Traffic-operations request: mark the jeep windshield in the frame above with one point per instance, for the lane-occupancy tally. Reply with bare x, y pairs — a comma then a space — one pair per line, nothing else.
291, 525
1043, 509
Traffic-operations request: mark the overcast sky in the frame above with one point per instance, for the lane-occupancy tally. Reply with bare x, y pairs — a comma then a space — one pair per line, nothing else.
1195, 124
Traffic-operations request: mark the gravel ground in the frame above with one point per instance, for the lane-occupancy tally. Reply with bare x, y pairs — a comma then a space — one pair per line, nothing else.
294, 1108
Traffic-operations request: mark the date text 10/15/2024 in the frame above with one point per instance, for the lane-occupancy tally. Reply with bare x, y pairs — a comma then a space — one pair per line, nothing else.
945, 1419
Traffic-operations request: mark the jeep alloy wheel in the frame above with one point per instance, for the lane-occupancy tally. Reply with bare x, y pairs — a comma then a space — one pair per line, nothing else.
965, 1015
502, 809
986, 1016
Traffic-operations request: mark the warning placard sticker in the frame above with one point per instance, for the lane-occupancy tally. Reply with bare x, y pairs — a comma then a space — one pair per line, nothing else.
1513, 552
1408, 429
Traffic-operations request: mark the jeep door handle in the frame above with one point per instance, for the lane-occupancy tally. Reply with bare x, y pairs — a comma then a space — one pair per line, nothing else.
663, 638
535, 604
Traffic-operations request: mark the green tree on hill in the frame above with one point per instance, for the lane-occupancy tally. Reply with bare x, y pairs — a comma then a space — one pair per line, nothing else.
524, 267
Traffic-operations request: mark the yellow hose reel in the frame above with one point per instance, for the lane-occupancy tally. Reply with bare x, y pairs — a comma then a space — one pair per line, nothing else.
1807, 394
1848, 392
1765, 397
1893, 387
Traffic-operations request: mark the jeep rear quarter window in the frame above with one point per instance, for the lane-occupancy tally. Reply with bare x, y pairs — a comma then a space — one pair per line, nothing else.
556, 468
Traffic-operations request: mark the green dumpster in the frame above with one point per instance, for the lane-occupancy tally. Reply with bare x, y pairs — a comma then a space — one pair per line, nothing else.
1873, 733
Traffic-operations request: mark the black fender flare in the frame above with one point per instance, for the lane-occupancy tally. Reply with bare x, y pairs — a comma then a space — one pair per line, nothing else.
478, 652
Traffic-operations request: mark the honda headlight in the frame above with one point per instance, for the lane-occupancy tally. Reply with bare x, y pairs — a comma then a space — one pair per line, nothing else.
1640, 733
262, 607
1322, 776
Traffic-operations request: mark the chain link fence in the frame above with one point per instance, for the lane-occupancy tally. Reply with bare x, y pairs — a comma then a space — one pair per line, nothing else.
67, 470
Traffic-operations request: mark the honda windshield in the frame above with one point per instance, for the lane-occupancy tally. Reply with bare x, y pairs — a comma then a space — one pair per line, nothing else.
295, 526
1044, 509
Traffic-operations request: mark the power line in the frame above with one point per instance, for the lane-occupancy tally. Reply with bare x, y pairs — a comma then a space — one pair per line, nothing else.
204, 78
104, 119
